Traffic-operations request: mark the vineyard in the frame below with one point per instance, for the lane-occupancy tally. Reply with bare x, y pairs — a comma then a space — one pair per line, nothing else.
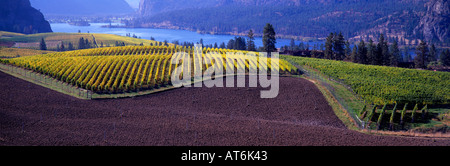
20, 52
381, 85
403, 117
131, 68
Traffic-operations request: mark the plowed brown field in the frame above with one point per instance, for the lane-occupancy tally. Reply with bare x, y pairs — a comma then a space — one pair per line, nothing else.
300, 115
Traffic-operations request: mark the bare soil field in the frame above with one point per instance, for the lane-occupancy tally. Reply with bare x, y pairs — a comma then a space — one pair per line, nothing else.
299, 116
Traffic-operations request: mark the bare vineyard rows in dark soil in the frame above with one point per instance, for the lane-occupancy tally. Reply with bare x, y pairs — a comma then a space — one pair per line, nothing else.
300, 115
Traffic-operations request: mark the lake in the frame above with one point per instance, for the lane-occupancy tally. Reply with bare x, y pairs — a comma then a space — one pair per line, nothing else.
162, 34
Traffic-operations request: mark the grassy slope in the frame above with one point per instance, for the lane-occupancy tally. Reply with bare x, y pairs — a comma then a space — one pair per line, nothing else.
20, 52
381, 84
107, 39
4, 34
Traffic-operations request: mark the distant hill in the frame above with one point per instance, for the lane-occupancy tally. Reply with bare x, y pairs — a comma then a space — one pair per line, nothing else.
19, 16
291, 18
82, 7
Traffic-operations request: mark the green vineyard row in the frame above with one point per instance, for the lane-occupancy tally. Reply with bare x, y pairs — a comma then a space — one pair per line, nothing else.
381, 85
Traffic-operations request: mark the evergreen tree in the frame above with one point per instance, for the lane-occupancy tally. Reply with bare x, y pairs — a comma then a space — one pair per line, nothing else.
301, 46
269, 39
70, 47
329, 47
421, 60
201, 42
371, 53
215, 45
42, 45
239, 43
87, 44
222, 45
348, 50
394, 54
433, 54
338, 46
81, 43
292, 44
445, 57
362, 53
251, 41
384, 51
378, 56
62, 47
354, 54
406, 55
230, 44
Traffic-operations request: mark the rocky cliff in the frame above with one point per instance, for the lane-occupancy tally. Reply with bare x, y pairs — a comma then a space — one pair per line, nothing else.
19, 16
435, 24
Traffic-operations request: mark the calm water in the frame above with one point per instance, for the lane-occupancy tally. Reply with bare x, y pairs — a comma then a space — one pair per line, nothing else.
162, 34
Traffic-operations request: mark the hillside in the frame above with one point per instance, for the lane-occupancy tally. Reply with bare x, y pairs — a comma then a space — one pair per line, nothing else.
82, 7
32, 41
384, 85
20, 52
152, 7
291, 18
19, 16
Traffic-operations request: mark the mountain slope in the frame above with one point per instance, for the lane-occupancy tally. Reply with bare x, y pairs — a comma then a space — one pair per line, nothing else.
291, 18
435, 24
82, 7
152, 7
19, 16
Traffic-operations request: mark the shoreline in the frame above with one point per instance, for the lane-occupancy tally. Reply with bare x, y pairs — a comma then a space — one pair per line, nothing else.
297, 38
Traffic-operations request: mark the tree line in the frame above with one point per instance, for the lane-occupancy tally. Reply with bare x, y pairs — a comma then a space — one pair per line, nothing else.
371, 53
385, 54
